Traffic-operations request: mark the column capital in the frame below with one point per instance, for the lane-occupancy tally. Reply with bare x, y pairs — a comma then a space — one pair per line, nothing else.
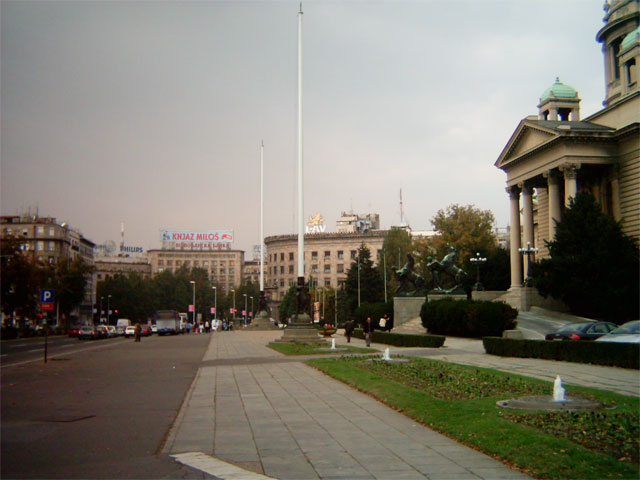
570, 170
513, 191
551, 176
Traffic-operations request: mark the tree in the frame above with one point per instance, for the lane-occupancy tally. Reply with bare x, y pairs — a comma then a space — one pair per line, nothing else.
371, 288
592, 265
467, 228
21, 280
288, 304
70, 280
397, 243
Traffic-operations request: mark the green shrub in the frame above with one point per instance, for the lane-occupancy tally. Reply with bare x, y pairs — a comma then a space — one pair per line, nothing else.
625, 355
403, 339
373, 310
467, 318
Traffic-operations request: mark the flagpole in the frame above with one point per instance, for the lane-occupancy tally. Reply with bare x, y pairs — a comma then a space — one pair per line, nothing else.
262, 218
300, 160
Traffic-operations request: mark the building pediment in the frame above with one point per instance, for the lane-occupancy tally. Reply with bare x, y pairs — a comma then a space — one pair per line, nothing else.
526, 138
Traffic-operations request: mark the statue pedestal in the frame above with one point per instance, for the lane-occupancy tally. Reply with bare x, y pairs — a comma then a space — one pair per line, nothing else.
406, 309
300, 330
262, 322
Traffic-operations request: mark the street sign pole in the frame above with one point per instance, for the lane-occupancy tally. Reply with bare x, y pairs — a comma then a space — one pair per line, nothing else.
46, 335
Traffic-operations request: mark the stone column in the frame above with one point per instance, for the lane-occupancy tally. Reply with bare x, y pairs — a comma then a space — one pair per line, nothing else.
570, 182
615, 194
555, 210
527, 227
516, 261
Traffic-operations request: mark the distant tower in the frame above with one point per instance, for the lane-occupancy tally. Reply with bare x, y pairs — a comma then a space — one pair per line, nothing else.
619, 38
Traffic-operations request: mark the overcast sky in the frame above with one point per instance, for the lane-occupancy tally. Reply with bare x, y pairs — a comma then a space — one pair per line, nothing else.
151, 113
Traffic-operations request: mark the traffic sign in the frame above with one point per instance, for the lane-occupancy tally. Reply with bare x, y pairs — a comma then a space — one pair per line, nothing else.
47, 307
46, 296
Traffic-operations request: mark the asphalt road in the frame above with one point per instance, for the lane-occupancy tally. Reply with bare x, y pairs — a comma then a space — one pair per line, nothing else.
96, 409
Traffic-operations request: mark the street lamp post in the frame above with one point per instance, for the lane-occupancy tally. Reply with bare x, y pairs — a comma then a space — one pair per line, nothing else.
384, 261
192, 282
108, 309
215, 303
252, 310
234, 304
100, 311
245, 309
478, 260
358, 277
528, 252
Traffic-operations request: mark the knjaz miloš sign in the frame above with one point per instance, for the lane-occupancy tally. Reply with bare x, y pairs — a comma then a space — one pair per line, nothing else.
222, 236
316, 224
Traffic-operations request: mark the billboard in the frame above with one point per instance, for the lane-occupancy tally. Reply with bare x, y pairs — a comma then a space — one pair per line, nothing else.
196, 239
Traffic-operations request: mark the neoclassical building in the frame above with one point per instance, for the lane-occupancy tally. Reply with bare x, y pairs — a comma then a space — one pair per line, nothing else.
327, 258
555, 154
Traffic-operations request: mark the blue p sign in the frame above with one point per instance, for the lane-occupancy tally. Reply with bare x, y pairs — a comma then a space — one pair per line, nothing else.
46, 296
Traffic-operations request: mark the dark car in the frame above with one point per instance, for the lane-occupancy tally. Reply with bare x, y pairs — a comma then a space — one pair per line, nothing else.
74, 330
145, 330
582, 331
102, 331
87, 332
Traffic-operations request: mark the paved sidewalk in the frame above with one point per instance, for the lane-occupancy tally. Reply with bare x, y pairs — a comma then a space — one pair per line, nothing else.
272, 415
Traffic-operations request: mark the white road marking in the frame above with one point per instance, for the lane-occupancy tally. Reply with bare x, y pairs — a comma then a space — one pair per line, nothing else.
216, 467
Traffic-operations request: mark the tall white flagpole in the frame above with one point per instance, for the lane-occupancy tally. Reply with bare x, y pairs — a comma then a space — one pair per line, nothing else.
300, 163
262, 217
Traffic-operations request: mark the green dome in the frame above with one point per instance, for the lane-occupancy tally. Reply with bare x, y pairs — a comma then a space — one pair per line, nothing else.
630, 40
559, 90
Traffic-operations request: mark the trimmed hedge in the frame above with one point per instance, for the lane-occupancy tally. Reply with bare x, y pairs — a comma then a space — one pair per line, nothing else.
625, 355
467, 318
403, 339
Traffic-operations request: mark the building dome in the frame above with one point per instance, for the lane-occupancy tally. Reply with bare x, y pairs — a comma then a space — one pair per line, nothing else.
559, 90
630, 40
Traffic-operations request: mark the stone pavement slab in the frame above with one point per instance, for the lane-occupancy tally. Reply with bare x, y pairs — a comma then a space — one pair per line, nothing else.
289, 421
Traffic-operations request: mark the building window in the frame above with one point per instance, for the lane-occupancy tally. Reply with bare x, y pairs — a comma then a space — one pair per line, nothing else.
187, 262
291, 256
282, 269
291, 269
40, 246
161, 263
630, 67
196, 263
340, 254
327, 268
282, 283
341, 282
282, 257
232, 270
314, 255
327, 282
52, 231
340, 268
52, 246
41, 230
327, 254
169, 263
205, 263
354, 254
314, 268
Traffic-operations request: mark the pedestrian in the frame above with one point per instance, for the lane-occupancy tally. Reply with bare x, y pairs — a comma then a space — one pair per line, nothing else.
368, 330
383, 323
207, 327
136, 332
348, 330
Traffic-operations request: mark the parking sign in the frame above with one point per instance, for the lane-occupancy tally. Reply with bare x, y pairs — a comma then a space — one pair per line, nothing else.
46, 296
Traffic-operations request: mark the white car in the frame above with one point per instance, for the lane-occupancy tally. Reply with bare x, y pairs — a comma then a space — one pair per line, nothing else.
627, 333
130, 331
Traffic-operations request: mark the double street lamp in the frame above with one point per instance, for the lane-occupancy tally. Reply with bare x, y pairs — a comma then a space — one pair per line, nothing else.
478, 260
245, 309
215, 303
528, 252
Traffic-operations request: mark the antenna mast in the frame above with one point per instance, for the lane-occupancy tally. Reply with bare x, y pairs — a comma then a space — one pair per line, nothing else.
401, 212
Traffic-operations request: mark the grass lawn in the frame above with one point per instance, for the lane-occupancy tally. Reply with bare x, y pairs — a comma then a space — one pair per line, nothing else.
460, 402
308, 349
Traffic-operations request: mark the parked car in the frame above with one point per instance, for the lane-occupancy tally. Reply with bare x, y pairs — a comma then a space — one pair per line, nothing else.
154, 328
112, 330
87, 332
626, 333
145, 330
74, 330
129, 331
582, 331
